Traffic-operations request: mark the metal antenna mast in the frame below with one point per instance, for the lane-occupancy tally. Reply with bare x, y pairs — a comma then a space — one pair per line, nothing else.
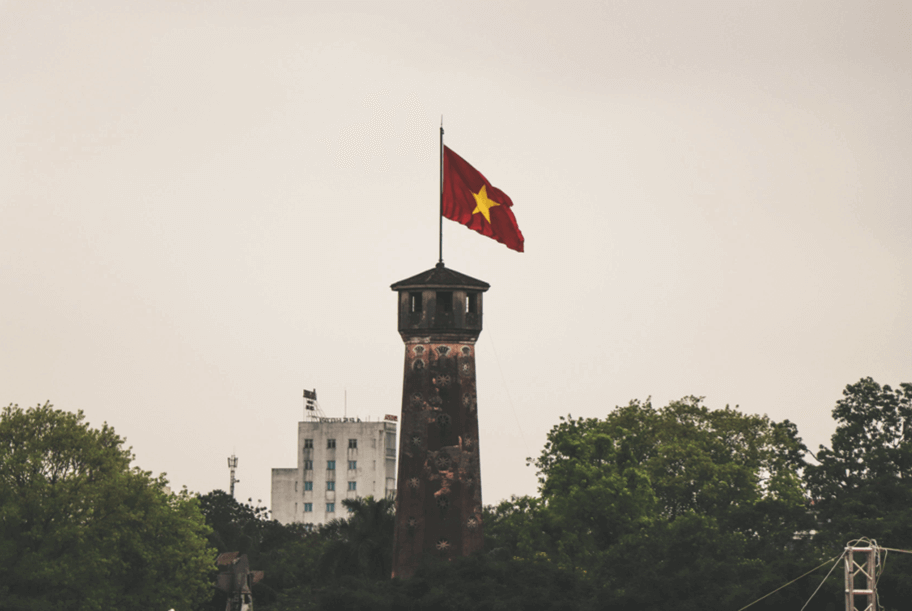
232, 465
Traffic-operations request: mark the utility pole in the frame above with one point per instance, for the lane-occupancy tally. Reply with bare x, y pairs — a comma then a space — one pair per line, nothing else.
232, 465
852, 570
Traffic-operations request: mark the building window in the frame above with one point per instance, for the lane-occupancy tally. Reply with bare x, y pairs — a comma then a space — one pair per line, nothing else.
308, 486
296, 489
391, 444
352, 444
330, 444
444, 302
471, 303
308, 444
330, 485
414, 302
330, 465
352, 485
330, 508
352, 465
308, 465
308, 507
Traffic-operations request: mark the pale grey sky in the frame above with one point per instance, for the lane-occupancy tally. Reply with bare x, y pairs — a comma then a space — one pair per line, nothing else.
203, 204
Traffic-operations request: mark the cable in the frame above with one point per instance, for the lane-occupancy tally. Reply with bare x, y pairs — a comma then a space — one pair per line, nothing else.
824, 580
509, 398
853, 543
882, 566
893, 549
793, 581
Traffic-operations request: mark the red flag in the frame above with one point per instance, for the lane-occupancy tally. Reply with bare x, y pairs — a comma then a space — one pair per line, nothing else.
469, 198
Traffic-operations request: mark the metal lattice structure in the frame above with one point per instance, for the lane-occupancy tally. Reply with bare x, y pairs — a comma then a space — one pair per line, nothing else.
312, 411
866, 572
232, 466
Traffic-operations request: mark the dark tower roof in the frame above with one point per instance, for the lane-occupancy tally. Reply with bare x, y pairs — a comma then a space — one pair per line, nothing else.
441, 277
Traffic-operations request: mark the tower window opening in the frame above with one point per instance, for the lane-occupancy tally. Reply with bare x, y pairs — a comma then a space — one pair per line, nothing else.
471, 303
415, 302
444, 301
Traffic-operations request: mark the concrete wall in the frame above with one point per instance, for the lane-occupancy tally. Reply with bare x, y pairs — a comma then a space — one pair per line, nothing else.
283, 497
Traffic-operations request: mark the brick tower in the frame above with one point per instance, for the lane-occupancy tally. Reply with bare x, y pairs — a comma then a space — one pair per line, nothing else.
438, 501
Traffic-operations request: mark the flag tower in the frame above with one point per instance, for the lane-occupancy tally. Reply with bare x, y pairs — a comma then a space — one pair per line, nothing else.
438, 496
438, 501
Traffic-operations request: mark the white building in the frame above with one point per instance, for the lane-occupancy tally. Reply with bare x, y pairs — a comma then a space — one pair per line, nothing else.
338, 458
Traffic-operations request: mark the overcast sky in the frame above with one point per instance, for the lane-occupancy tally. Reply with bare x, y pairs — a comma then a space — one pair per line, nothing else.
203, 204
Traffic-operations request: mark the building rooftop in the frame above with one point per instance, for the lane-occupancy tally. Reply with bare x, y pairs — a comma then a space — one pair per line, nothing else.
440, 276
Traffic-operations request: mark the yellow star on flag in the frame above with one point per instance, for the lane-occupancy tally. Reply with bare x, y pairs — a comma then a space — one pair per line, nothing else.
483, 204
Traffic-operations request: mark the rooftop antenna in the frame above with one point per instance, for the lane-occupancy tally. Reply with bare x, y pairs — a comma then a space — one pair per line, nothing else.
232, 465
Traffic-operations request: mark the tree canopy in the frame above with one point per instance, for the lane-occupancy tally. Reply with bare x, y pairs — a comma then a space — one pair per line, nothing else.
657, 508
646, 496
362, 543
81, 530
862, 484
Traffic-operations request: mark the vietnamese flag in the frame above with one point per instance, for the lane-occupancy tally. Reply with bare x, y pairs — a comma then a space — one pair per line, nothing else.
470, 199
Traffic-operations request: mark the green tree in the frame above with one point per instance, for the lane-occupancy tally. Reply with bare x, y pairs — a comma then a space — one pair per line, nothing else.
705, 503
862, 486
288, 554
236, 526
361, 544
476, 582
518, 527
82, 530
344, 564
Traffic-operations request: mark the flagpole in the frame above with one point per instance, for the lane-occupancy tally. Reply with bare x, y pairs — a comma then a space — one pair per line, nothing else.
440, 261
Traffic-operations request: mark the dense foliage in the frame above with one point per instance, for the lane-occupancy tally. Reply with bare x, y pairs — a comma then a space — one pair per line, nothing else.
82, 530
656, 509
672, 508
862, 484
288, 554
704, 502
